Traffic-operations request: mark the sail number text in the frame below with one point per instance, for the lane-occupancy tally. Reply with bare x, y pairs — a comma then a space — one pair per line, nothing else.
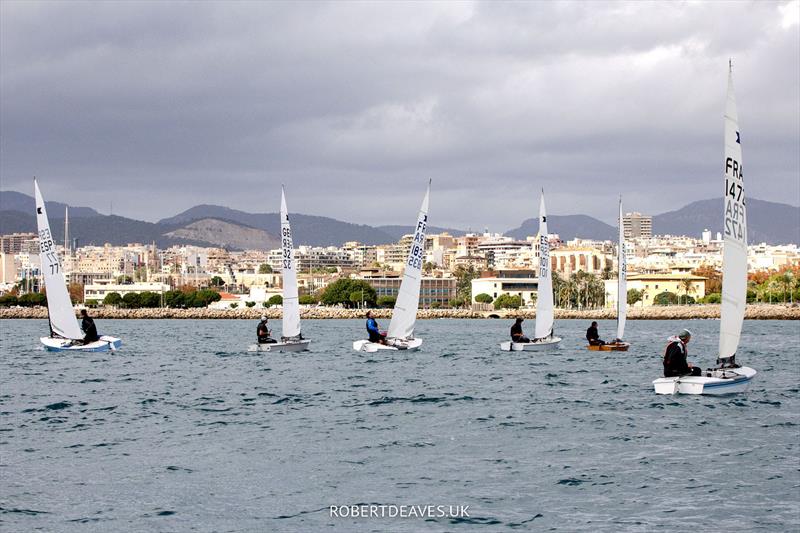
544, 256
417, 253
735, 222
47, 248
287, 248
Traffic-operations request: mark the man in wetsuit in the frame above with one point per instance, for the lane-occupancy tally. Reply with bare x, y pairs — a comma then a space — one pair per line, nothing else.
262, 332
516, 332
374, 333
88, 327
675, 363
593, 336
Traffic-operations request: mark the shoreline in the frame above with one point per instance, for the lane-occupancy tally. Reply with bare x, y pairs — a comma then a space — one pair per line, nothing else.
674, 312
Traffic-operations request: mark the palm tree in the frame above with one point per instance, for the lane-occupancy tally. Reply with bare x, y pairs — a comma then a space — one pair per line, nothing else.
688, 286
787, 281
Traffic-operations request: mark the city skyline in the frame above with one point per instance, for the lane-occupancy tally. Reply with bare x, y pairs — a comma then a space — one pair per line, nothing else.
354, 106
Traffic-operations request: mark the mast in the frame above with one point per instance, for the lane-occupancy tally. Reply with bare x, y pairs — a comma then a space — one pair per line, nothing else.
734, 253
622, 292
544, 296
405, 308
291, 304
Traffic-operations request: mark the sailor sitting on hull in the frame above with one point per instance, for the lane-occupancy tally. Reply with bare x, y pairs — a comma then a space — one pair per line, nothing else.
262, 332
593, 336
374, 333
516, 332
89, 329
675, 363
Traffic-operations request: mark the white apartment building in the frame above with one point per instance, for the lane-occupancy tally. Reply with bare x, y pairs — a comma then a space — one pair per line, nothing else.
101, 288
512, 282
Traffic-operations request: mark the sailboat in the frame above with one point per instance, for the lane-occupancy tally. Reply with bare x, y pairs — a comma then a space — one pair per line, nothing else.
291, 338
543, 336
400, 335
65, 334
727, 377
618, 345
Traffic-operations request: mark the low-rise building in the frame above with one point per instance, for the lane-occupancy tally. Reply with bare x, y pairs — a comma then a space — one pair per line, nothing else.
512, 282
652, 285
102, 288
439, 290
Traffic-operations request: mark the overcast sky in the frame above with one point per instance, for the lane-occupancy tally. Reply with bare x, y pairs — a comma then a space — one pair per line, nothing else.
162, 106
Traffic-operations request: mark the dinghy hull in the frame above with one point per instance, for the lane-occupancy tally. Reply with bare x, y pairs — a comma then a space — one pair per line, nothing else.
300, 346
614, 347
544, 345
712, 382
106, 343
396, 345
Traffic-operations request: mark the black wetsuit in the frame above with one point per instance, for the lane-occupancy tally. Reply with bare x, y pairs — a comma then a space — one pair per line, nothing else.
594, 337
516, 333
262, 332
675, 361
89, 330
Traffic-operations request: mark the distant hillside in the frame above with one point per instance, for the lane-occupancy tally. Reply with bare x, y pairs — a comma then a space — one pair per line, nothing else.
306, 229
226, 234
768, 222
16, 201
96, 230
567, 227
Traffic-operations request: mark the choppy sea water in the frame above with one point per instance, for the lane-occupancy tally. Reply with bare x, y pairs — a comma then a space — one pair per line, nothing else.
183, 430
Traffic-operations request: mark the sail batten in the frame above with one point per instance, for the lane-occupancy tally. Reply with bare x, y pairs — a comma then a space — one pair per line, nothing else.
622, 289
59, 306
404, 315
291, 304
734, 252
544, 293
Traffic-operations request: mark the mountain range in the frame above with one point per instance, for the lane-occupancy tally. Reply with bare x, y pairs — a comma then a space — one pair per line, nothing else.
213, 225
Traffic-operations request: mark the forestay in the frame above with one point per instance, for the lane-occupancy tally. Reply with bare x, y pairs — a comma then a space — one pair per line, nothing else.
622, 289
291, 305
59, 306
544, 298
405, 308
734, 254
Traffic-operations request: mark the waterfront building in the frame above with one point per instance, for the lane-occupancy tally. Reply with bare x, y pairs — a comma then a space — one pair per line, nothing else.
433, 290
521, 283
101, 288
652, 285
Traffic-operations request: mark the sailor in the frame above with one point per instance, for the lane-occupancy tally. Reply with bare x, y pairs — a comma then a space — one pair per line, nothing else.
262, 332
88, 327
374, 333
675, 356
593, 336
516, 332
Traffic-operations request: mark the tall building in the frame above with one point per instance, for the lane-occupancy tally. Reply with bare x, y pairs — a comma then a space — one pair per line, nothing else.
637, 225
19, 242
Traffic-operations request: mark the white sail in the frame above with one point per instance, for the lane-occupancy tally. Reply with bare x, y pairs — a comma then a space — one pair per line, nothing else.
405, 308
291, 304
622, 289
544, 297
734, 254
59, 306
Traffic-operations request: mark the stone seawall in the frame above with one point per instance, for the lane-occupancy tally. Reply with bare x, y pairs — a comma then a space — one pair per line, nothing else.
753, 312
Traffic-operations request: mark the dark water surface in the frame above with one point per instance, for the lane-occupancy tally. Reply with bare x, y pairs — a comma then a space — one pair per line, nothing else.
183, 430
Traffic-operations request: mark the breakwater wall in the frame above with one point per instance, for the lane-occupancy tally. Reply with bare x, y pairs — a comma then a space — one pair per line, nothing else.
671, 312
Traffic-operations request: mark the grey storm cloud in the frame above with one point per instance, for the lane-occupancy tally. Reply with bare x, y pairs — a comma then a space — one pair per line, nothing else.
160, 106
